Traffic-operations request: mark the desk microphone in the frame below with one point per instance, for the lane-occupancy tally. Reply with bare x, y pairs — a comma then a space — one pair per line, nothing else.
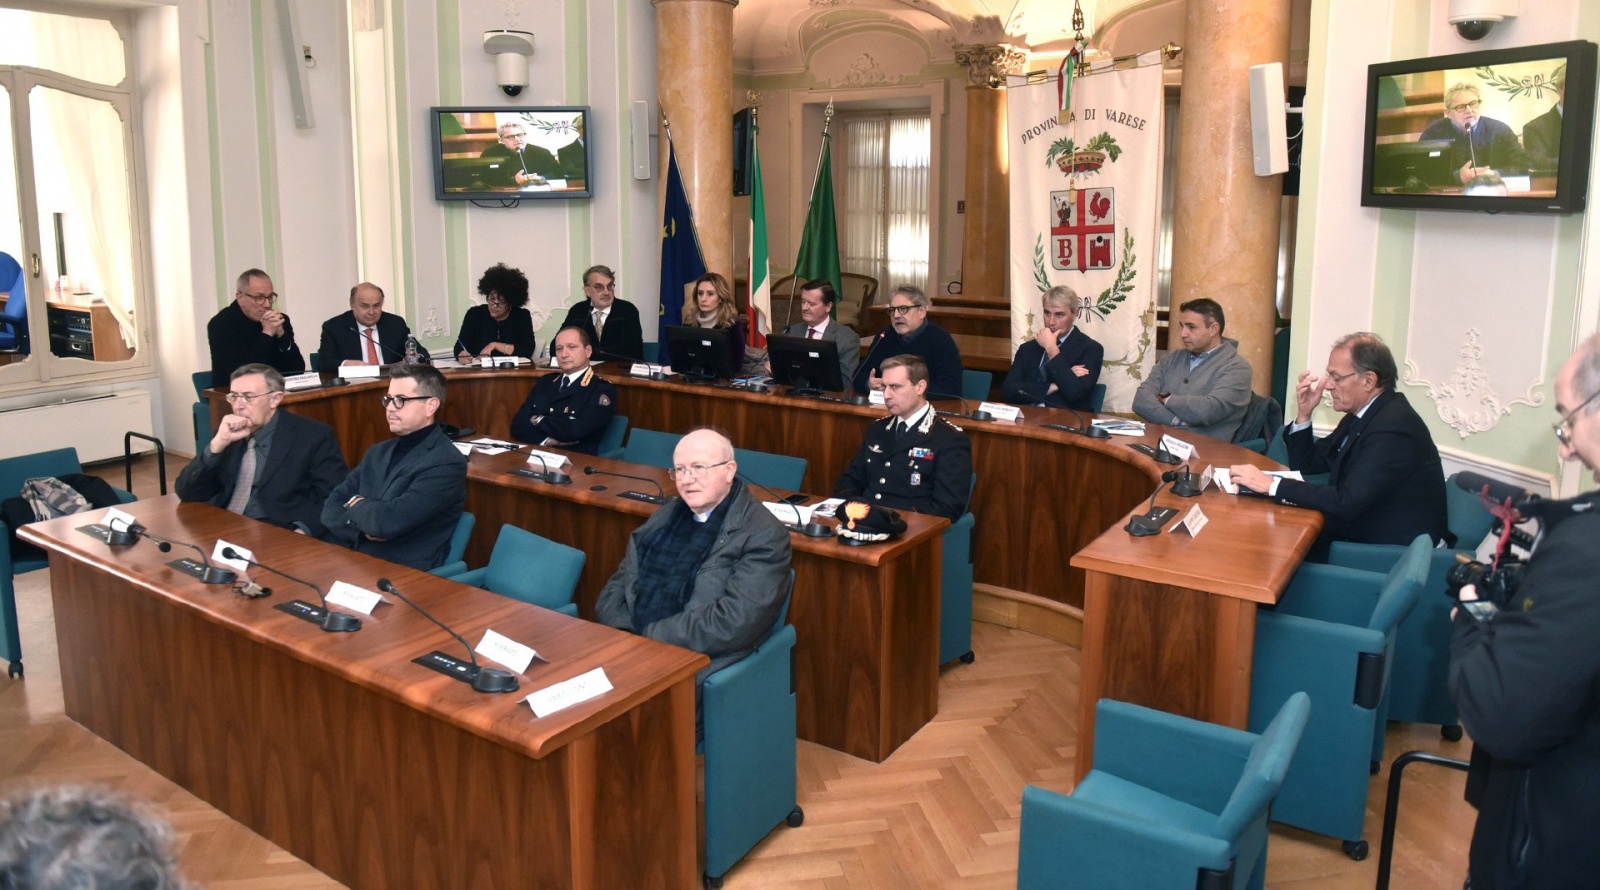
966, 407
866, 360
1143, 525
809, 529
1183, 484
483, 679
378, 341
1159, 454
325, 618
660, 497
553, 477
203, 570
1083, 428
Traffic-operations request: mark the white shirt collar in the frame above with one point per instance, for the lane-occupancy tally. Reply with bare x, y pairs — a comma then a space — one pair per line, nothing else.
916, 419
1363, 409
573, 377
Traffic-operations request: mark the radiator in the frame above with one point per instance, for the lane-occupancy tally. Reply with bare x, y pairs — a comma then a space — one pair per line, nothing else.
92, 424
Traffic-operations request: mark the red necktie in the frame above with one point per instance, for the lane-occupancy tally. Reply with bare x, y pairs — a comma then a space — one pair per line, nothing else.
811, 333
372, 348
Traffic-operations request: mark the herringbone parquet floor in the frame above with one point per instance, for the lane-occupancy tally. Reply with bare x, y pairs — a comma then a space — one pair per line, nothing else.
943, 811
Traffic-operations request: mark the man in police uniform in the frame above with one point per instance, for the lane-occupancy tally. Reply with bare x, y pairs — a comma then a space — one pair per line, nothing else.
569, 410
913, 459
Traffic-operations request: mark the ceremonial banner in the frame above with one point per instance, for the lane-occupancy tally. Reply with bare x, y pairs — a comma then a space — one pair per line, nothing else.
681, 260
1085, 212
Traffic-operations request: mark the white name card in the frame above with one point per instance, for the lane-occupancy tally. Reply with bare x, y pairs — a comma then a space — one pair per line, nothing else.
551, 459
1224, 477
238, 565
1008, 413
118, 520
875, 397
353, 597
506, 361
358, 372
463, 447
509, 652
643, 369
307, 380
1180, 449
567, 693
1206, 476
1194, 521
786, 512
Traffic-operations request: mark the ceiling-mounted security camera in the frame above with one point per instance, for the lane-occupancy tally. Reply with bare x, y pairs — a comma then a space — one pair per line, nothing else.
1474, 19
511, 50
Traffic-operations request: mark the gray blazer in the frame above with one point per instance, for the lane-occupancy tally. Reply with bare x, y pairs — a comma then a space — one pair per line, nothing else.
1211, 399
738, 591
849, 345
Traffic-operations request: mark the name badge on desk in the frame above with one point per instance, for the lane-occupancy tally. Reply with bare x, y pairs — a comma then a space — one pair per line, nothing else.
509, 652
345, 594
567, 693
238, 565
1009, 413
1193, 521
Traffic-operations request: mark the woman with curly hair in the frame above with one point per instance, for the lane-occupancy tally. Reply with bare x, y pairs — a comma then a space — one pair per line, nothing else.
501, 326
713, 307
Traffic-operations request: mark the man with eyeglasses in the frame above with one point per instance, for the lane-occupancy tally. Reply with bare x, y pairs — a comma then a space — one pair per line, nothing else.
910, 333
709, 570
570, 409
1385, 480
612, 324
1524, 678
913, 459
515, 162
401, 503
366, 335
250, 331
1478, 145
264, 463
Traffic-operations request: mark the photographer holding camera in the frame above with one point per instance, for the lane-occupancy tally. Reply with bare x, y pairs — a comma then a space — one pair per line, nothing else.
1525, 676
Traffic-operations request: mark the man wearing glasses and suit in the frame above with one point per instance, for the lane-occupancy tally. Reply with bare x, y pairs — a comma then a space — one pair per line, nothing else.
250, 331
401, 503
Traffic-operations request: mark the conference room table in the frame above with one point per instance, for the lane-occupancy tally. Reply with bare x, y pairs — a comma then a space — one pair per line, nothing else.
337, 747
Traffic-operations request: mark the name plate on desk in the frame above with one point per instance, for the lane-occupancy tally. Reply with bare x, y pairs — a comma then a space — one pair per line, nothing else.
567, 693
1192, 521
1178, 448
309, 380
353, 597
1008, 413
645, 369
359, 372
506, 651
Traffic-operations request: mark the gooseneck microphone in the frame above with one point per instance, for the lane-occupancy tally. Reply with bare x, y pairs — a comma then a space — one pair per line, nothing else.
553, 477
809, 529
483, 679
966, 407
378, 341
660, 497
325, 618
866, 360
1183, 484
203, 570
1083, 428
1143, 525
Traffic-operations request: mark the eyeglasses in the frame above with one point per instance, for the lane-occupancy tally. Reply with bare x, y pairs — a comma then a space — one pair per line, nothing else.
263, 299
693, 471
235, 398
401, 401
1563, 427
1465, 107
902, 310
1341, 378
495, 299
604, 287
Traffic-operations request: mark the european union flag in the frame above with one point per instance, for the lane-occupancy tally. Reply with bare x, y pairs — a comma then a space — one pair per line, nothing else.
681, 260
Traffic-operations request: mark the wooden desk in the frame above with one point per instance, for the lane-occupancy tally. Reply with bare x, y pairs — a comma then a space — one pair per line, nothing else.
866, 619
336, 747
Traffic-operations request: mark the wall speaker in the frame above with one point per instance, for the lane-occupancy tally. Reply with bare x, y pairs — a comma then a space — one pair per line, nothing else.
639, 130
1269, 141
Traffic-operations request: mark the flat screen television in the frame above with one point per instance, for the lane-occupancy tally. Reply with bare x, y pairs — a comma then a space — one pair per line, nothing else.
701, 354
1503, 130
500, 154
808, 366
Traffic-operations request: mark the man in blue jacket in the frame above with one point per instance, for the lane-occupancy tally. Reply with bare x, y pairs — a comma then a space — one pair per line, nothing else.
1060, 366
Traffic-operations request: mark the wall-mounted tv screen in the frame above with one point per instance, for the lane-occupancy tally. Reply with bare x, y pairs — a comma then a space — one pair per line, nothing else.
1496, 130
502, 154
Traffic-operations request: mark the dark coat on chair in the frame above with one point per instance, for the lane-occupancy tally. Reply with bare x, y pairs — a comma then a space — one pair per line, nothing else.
1385, 482
341, 341
928, 469
623, 335
574, 420
1026, 383
408, 511
303, 465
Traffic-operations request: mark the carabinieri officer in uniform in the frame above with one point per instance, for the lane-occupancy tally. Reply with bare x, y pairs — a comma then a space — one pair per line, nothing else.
913, 459
569, 410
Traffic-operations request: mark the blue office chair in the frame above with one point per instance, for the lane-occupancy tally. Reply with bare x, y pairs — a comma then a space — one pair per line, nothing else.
955, 587
975, 385
524, 566
14, 318
202, 411
748, 709
654, 449
651, 448
611, 440
14, 471
1332, 635
1170, 802
1097, 399
454, 561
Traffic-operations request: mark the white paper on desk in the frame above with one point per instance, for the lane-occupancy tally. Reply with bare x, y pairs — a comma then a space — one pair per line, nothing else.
1194, 521
486, 442
1224, 478
827, 507
1286, 474
1009, 413
352, 597
567, 693
507, 361
876, 397
358, 372
506, 651
118, 521
551, 459
1180, 449
1119, 426
787, 512
308, 380
238, 565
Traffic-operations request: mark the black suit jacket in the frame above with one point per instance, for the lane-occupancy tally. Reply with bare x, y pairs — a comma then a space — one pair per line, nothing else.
303, 465
928, 469
1385, 482
341, 341
410, 509
575, 419
623, 335
1026, 383
1541, 138
237, 341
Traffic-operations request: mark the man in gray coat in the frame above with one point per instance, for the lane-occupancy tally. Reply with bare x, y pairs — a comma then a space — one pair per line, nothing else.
1205, 386
709, 570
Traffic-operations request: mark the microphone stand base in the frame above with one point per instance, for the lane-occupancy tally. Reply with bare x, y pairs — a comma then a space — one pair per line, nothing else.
108, 535
641, 496
204, 573
805, 392
1144, 525
810, 529
482, 679
328, 620
1160, 457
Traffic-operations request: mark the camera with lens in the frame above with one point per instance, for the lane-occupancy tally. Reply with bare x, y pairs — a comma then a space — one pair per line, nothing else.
1494, 584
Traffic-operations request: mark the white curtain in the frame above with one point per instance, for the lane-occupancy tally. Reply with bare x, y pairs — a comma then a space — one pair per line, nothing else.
909, 153
886, 198
863, 235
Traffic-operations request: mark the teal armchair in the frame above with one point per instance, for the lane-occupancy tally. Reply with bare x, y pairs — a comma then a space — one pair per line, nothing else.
955, 587
524, 566
1170, 802
611, 440
975, 385
454, 561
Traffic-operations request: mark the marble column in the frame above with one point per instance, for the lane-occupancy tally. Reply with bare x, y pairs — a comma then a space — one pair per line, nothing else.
984, 257
694, 75
1225, 227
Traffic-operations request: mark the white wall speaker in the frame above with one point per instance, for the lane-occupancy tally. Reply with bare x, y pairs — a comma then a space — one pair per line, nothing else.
1269, 141
299, 79
640, 129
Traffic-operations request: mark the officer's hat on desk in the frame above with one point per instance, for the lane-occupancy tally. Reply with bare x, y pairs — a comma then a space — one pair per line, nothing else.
864, 523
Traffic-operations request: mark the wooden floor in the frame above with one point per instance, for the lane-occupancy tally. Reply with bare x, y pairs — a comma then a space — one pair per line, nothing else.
941, 812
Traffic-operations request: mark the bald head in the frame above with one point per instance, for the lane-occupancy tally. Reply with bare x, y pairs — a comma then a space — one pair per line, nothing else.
710, 454
366, 303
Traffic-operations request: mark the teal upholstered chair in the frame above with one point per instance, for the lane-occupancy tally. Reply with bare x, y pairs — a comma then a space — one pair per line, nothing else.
454, 563
955, 587
1419, 689
1332, 636
14, 471
611, 440
1097, 399
654, 449
524, 566
1262, 418
749, 746
202, 411
975, 385
1170, 802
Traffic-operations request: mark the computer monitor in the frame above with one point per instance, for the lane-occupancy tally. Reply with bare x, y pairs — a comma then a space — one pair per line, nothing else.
809, 367
701, 353
1417, 166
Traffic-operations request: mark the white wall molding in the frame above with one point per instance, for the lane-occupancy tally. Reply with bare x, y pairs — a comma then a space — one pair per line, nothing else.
1467, 400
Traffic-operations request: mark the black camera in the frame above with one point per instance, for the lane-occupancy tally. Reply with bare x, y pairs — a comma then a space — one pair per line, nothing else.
1495, 584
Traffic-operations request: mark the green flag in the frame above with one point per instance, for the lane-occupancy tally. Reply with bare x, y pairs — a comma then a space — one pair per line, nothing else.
819, 242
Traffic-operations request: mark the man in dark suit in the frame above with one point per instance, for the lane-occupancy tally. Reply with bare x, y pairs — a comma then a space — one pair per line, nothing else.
573, 157
401, 503
571, 409
913, 459
816, 323
249, 331
366, 335
1060, 366
612, 324
264, 463
519, 163
1385, 482
1541, 138
910, 333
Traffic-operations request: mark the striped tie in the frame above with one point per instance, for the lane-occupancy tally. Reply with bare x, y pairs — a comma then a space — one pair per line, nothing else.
246, 481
